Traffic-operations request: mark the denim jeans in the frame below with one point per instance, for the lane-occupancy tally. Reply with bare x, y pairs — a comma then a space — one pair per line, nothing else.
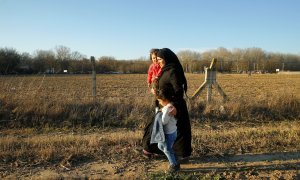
166, 147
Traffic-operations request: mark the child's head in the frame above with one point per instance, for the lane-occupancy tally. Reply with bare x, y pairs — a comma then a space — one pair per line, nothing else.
163, 97
153, 55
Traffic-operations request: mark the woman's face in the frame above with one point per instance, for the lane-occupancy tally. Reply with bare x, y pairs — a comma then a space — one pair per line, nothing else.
154, 58
161, 62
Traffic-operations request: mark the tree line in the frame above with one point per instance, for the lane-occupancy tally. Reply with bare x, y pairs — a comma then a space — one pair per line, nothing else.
63, 60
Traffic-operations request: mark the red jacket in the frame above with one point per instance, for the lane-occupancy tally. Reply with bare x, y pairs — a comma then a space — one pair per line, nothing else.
153, 72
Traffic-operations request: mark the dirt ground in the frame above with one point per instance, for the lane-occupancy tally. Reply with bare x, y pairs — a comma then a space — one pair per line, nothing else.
283, 165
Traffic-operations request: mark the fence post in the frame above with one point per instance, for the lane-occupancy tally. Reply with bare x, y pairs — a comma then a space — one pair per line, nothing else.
210, 80
94, 93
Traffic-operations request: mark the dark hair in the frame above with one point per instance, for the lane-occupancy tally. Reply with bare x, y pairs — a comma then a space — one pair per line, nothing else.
153, 51
171, 59
163, 94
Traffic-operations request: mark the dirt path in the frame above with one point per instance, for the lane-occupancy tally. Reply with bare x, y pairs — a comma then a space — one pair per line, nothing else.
284, 165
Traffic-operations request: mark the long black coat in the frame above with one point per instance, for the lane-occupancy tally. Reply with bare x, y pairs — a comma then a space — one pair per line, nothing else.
172, 80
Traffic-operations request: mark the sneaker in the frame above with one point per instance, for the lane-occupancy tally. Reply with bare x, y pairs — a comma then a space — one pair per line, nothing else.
147, 154
174, 168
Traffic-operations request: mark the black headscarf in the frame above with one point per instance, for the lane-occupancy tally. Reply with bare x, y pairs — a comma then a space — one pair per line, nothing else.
172, 61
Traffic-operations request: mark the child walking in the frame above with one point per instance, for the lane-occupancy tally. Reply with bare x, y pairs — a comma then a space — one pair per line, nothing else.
170, 131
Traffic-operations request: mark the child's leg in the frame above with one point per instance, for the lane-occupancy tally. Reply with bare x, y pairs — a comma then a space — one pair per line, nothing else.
166, 147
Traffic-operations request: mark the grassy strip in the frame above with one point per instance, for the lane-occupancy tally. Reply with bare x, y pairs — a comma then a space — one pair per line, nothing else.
115, 145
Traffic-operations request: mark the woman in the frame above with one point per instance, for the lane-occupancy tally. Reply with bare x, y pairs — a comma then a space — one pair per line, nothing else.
172, 79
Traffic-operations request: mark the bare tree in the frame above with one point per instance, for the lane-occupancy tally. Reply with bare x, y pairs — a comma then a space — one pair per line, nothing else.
187, 57
223, 56
44, 61
9, 60
237, 57
63, 55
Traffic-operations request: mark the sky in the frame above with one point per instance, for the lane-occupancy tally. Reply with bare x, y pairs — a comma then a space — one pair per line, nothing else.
128, 29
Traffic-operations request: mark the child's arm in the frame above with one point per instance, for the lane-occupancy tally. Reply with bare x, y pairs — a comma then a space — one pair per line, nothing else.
150, 75
165, 116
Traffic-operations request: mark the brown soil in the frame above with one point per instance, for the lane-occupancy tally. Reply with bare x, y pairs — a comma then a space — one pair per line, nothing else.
282, 165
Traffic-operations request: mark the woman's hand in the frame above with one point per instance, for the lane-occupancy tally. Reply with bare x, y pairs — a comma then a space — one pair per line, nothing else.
173, 111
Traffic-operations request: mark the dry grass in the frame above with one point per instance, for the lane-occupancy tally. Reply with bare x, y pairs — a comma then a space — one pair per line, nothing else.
239, 138
123, 100
69, 149
53, 119
65, 148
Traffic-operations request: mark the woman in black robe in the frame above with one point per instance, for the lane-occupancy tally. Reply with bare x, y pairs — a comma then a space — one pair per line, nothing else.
173, 80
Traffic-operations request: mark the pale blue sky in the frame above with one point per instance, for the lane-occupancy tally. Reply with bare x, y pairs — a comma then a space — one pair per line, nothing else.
127, 29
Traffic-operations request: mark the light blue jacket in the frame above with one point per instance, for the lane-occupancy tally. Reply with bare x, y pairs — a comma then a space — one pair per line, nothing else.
158, 134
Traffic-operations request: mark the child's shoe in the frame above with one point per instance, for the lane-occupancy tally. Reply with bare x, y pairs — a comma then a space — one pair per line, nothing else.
174, 168
147, 154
